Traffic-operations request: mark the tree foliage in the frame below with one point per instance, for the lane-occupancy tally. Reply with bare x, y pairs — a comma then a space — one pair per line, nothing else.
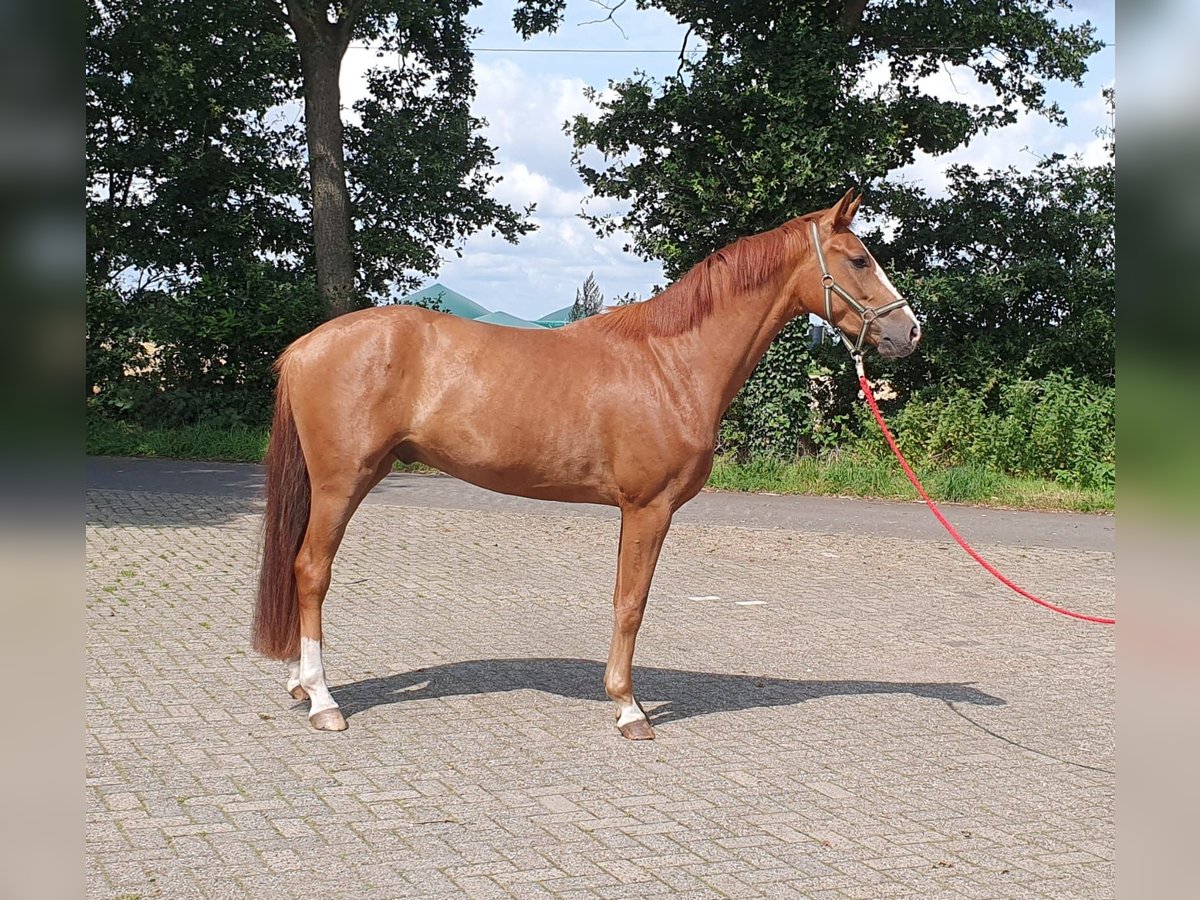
187, 170
1013, 277
201, 354
398, 155
195, 237
196, 157
790, 101
785, 103
1013, 273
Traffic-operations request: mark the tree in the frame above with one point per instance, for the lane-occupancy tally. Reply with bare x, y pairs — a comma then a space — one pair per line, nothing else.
418, 163
790, 101
195, 255
187, 173
1013, 273
188, 165
588, 299
322, 42
782, 106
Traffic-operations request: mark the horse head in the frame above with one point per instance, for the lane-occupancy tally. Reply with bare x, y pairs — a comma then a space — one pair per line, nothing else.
857, 297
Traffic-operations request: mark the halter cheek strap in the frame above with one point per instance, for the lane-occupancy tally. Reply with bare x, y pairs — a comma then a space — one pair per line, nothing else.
867, 314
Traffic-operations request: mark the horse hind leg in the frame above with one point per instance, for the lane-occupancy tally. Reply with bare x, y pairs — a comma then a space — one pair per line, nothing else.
293, 682
642, 533
330, 512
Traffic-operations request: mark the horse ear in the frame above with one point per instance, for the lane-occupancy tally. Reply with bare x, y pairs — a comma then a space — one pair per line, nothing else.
842, 213
853, 209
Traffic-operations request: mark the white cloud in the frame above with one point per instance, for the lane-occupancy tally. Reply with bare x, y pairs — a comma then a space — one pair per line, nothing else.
1023, 143
525, 114
353, 80
957, 84
520, 187
1093, 153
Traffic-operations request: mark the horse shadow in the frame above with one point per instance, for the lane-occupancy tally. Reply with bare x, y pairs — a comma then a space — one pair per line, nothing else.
669, 695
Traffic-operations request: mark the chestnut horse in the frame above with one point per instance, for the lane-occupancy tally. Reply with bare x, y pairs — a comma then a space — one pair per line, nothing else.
621, 408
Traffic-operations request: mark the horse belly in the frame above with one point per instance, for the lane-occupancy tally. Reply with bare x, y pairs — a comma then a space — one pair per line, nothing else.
511, 456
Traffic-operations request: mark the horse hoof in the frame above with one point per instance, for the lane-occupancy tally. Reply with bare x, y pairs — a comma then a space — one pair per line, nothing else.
298, 693
637, 730
328, 720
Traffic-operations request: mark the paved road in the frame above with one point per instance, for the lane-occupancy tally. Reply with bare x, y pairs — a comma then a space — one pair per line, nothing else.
826, 515
844, 709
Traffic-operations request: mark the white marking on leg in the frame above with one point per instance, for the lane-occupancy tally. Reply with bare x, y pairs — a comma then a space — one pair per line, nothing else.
312, 676
627, 713
293, 681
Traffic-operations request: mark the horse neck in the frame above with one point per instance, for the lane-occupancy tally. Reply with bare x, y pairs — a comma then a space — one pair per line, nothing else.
730, 342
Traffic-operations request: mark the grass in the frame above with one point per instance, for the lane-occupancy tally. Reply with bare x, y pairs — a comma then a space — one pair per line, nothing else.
871, 478
845, 476
236, 444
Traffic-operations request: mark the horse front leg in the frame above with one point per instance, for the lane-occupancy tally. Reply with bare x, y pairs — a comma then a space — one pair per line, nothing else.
642, 532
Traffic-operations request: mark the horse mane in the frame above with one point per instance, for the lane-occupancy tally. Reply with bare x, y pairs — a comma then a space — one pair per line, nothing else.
743, 265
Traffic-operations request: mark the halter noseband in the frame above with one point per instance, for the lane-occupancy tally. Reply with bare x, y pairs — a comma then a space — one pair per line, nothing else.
868, 314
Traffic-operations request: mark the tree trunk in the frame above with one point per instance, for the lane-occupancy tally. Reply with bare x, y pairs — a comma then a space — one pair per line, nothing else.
322, 45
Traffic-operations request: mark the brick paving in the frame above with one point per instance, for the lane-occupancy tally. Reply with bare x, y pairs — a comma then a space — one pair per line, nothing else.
837, 715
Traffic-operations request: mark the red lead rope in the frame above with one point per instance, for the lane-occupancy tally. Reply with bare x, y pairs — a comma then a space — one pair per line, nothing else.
870, 396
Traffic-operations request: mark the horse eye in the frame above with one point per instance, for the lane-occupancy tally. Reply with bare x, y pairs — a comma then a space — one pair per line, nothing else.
859, 262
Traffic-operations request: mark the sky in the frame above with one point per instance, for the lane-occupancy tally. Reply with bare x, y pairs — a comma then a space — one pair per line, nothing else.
527, 96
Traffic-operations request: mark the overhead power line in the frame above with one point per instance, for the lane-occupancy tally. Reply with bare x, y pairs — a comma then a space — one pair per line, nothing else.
549, 50
650, 50
568, 50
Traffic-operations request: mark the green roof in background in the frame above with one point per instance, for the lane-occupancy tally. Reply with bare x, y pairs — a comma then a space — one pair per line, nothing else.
452, 301
464, 307
502, 318
558, 317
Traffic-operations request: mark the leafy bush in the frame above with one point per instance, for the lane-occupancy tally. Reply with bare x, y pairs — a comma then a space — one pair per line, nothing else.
1058, 427
795, 402
201, 354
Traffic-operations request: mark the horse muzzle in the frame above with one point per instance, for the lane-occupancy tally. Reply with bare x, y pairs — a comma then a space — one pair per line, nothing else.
898, 339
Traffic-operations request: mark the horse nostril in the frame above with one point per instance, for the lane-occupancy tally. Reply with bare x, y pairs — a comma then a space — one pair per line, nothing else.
915, 334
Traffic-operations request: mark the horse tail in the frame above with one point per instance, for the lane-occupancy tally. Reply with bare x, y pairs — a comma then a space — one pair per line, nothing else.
276, 629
